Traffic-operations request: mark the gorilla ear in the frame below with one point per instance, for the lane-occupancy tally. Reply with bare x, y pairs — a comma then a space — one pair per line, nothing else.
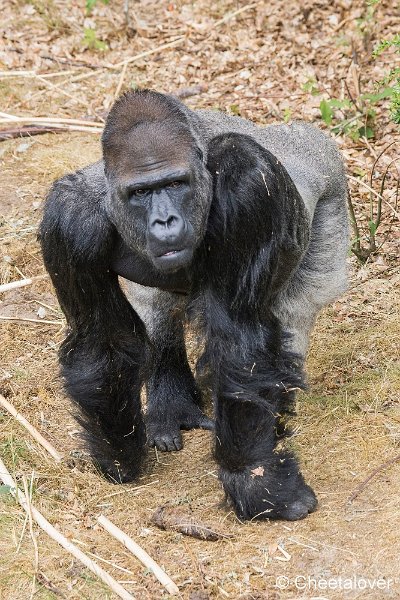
199, 154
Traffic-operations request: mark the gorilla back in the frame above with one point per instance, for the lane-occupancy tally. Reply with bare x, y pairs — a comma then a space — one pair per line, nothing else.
241, 230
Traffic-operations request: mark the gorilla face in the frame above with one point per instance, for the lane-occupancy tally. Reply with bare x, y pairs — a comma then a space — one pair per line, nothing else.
159, 188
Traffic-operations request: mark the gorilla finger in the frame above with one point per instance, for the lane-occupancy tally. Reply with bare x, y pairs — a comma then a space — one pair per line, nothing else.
160, 444
168, 443
207, 423
178, 443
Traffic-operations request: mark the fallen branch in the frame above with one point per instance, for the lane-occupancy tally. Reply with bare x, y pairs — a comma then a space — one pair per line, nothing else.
59, 538
7, 117
361, 487
27, 320
34, 74
21, 283
21, 132
231, 15
74, 63
64, 127
55, 123
147, 53
141, 554
379, 196
32, 430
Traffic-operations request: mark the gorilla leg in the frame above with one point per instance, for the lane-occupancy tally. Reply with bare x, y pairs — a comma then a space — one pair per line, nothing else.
321, 276
261, 479
102, 374
173, 398
103, 355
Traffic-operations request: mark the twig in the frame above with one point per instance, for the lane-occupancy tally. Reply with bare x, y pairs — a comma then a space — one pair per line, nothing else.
141, 554
21, 283
74, 63
360, 181
109, 562
121, 81
32, 430
130, 490
63, 127
58, 88
234, 14
361, 487
83, 76
21, 132
343, 22
60, 539
28, 496
147, 53
33, 74
27, 320
6, 118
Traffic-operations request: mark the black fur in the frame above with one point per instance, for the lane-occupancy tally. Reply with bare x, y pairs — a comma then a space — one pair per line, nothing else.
249, 259
103, 353
254, 377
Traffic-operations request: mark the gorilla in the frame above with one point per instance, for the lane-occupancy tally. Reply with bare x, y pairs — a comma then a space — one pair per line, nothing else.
197, 217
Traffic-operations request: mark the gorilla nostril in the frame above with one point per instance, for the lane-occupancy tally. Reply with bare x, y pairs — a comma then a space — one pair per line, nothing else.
172, 220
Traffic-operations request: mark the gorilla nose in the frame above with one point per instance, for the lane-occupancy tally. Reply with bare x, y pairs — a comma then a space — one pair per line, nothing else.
168, 229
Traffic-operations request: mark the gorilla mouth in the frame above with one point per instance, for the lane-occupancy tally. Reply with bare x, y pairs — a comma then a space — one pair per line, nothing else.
171, 260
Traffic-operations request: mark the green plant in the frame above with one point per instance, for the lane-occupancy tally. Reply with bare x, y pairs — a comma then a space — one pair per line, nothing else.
91, 40
364, 243
353, 117
91, 3
287, 114
393, 77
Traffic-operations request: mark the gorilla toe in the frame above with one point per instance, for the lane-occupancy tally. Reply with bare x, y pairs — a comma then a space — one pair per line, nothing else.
164, 431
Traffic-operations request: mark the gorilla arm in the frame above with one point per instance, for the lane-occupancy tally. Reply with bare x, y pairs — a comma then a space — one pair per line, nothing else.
102, 355
261, 217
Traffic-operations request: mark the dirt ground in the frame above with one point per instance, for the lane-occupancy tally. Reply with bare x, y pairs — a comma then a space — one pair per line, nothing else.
259, 60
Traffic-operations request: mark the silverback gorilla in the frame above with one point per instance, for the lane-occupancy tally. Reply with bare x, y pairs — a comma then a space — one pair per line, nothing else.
241, 230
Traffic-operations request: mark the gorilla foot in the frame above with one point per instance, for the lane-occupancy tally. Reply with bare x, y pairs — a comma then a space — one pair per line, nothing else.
164, 428
269, 491
124, 469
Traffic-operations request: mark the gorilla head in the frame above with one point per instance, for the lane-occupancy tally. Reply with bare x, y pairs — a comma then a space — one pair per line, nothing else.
159, 188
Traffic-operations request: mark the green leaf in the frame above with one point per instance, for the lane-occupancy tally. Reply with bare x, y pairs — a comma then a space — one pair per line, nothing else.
360, 172
92, 41
287, 114
366, 132
336, 103
385, 93
311, 86
235, 109
326, 111
5, 490
90, 4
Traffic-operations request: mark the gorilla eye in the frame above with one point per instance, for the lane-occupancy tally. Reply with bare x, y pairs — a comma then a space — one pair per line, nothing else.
175, 184
140, 192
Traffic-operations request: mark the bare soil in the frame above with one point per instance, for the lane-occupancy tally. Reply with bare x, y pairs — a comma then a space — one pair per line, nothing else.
257, 64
